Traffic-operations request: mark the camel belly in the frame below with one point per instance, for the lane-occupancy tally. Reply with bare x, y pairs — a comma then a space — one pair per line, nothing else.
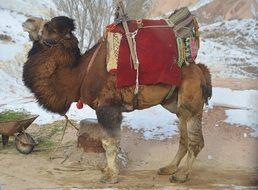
149, 95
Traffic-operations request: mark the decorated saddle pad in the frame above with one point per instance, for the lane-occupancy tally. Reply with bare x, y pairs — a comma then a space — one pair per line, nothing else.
156, 49
162, 46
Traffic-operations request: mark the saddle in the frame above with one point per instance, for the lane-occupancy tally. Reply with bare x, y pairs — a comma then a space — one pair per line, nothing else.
161, 47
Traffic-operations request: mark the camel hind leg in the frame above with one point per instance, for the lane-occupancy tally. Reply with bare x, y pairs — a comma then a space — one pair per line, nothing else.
190, 107
182, 150
195, 145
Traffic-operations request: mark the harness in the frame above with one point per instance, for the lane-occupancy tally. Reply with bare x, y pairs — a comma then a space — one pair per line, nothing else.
79, 104
181, 21
49, 44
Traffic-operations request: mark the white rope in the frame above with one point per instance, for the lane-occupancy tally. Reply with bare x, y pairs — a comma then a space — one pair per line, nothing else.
133, 35
136, 91
187, 63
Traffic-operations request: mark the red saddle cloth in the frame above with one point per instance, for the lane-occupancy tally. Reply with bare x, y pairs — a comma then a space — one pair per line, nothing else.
157, 53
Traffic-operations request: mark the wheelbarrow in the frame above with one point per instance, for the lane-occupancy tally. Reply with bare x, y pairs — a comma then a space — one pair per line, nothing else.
24, 143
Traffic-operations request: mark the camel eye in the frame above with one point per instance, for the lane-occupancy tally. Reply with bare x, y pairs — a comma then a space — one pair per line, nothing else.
49, 28
46, 26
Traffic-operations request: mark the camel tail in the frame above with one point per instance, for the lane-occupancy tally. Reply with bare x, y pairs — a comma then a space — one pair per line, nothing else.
207, 87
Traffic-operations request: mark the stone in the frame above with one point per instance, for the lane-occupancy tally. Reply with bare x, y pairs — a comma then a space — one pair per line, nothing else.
90, 135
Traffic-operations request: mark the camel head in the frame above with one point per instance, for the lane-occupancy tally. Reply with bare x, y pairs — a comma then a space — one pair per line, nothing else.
34, 26
57, 29
50, 71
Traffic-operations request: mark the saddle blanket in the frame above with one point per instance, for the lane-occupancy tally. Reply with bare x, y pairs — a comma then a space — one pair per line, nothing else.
157, 52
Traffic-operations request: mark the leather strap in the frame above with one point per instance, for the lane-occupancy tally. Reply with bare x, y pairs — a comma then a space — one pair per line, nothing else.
94, 56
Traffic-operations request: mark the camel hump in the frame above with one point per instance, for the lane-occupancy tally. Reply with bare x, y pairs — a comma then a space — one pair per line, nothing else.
207, 87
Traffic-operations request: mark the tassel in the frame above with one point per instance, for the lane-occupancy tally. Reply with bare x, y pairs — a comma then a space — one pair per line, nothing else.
197, 33
79, 104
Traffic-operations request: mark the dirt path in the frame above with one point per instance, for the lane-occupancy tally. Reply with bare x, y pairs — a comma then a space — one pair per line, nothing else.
236, 84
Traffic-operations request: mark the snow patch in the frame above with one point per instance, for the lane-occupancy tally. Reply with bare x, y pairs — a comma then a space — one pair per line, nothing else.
42, 8
11, 26
244, 104
155, 122
238, 99
243, 117
230, 47
9, 51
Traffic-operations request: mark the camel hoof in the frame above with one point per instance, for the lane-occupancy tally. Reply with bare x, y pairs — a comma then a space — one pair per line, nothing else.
168, 170
179, 177
109, 179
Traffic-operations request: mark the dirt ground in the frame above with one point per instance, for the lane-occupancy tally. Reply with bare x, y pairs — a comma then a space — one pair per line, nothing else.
229, 159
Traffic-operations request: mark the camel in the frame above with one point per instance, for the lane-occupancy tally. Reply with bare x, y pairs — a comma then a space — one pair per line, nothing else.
58, 75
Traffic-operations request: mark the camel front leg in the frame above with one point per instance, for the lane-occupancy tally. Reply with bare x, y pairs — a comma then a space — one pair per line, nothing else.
110, 117
195, 145
112, 170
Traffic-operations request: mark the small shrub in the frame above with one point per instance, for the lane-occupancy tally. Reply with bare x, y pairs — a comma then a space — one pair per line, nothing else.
10, 115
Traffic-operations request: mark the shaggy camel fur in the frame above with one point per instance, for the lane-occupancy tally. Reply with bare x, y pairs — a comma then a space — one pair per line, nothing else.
57, 78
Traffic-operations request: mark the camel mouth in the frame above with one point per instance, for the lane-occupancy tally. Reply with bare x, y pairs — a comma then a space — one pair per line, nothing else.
34, 26
27, 28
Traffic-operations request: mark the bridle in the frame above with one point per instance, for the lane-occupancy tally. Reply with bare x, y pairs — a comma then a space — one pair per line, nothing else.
49, 44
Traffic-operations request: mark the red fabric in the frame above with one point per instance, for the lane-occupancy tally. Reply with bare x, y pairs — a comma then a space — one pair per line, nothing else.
157, 54
79, 104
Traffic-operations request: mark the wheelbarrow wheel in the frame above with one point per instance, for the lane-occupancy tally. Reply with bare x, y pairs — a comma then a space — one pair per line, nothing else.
5, 140
24, 143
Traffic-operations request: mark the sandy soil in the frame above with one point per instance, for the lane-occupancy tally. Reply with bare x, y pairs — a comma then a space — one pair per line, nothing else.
228, 161
236, 84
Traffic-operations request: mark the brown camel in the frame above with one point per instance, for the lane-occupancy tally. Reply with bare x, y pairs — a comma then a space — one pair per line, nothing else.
58, 76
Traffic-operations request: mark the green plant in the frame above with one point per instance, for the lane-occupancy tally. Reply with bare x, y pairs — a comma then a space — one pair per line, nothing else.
10, 115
